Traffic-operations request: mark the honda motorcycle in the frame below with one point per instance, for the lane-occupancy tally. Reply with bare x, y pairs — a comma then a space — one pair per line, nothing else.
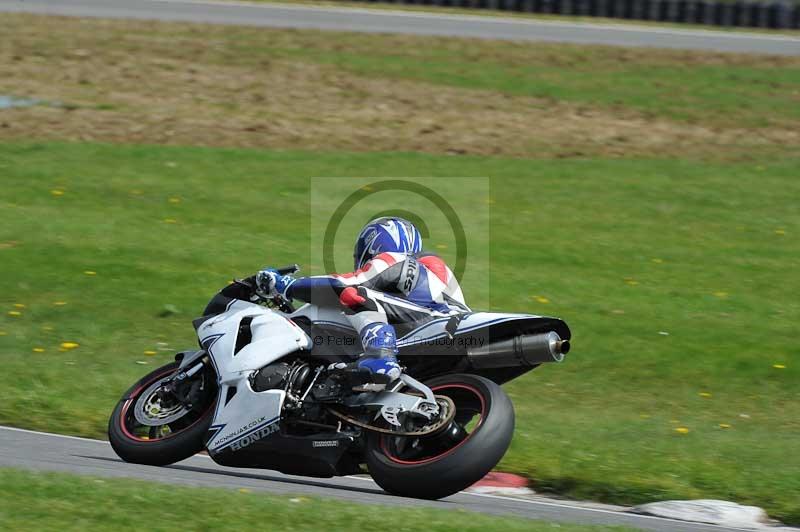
259, 394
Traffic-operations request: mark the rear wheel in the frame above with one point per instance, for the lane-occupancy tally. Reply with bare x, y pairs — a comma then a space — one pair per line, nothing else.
454, 458
153, 427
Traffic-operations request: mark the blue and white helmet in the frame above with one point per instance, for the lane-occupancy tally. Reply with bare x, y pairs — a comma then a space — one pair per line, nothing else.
388, 234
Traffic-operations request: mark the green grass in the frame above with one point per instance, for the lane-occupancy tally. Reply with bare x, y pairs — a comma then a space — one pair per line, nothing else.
622, 249
34, 501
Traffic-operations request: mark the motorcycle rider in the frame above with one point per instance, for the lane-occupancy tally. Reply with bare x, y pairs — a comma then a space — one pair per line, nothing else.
394, 283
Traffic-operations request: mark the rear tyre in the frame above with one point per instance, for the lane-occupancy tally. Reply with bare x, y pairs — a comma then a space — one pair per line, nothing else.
445, 463
182, 433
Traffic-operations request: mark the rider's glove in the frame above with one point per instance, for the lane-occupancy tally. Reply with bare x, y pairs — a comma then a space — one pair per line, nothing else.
270, 283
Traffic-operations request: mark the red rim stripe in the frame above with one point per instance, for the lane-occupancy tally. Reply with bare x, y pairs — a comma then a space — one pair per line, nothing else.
134, 397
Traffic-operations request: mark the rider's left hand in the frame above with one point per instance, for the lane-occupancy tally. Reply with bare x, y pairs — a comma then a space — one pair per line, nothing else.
269, 283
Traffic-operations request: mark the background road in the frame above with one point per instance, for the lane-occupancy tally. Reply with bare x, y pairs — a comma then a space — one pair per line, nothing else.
52, 452
364, 20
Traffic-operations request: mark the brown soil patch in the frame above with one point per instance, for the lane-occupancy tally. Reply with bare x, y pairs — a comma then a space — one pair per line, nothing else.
120, 82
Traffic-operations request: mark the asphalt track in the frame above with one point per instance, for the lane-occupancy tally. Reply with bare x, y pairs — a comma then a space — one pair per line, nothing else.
418, 23
53, 452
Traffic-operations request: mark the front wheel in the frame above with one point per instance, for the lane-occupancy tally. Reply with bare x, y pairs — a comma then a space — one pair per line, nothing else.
150, 426
450, 460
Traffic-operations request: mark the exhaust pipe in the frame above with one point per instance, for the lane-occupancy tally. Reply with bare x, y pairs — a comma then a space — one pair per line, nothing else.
523, 350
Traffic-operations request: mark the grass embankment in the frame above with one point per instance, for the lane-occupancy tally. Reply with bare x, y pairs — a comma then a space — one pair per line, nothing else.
34, 501
249, 87
649, 198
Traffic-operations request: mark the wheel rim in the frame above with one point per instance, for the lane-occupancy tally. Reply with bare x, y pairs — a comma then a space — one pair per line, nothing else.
139, 420
471, 410
153, 410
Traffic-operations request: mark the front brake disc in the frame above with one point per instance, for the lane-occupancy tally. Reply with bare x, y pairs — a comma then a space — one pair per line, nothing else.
151, 410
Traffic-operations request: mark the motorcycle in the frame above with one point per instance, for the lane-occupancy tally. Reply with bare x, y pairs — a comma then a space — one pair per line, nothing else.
259, 394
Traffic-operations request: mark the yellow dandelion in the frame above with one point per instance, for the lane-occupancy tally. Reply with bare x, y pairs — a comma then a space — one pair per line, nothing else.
14, 313
657, 261
66, 346
90, 273
681, 430
724, 426
631, 282
779, 366
721, 294
705, 394
150, 353
59, 303
57, 192
19, 305
244, 490
174, 200
541, 299
38, 349
367, 188
780, 232
170, 221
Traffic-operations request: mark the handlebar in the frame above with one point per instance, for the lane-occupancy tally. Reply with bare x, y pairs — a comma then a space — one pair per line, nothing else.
283, 304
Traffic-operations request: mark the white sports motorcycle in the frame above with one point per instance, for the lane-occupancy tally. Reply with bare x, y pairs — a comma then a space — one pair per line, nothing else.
259, 394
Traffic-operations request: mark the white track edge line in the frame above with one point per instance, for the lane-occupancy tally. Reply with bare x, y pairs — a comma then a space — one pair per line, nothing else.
64, 436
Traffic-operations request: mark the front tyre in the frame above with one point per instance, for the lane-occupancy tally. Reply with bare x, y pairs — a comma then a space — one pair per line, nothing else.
451, 460
151, 427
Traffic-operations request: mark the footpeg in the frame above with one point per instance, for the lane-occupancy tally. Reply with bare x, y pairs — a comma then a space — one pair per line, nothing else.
370, 387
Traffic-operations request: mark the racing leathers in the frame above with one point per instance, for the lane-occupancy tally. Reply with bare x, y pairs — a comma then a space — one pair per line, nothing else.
391, 290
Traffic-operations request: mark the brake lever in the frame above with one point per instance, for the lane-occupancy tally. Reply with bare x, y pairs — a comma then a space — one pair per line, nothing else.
283, 304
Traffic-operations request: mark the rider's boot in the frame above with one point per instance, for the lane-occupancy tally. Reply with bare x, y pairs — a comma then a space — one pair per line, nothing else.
378, 363
370, 372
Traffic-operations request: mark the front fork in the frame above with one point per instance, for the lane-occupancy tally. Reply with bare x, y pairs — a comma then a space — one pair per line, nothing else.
174, 386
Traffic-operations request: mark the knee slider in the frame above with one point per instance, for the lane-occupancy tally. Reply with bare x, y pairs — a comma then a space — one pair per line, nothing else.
379, 337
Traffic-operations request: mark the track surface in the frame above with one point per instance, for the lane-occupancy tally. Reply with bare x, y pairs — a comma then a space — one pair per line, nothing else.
386, 21
51, 452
